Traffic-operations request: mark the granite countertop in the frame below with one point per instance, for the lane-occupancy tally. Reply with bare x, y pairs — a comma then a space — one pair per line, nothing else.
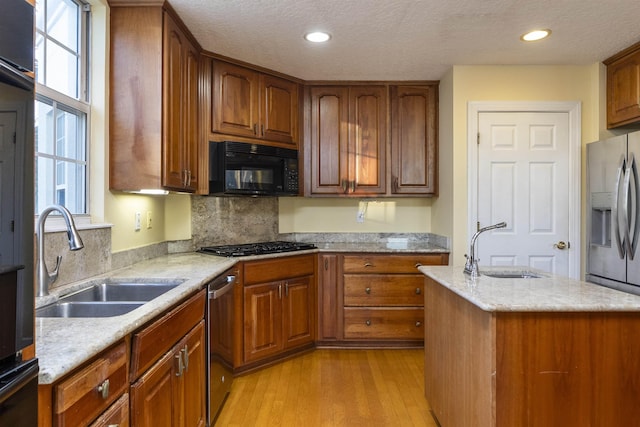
547, 293
63, 344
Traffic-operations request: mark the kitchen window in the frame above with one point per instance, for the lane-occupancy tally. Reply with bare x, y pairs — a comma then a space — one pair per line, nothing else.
62, 105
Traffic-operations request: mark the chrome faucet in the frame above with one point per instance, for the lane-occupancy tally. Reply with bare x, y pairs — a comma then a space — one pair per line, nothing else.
471, 266
75, 243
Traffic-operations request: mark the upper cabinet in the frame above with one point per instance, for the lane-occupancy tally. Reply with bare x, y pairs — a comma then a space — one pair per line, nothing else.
623, 87
154, 131
348, 140
414, 148
249, 104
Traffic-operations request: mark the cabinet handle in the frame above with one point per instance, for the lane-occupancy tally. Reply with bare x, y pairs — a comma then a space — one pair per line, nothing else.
343, 184
180, 365
368, 264
103, 389
255, 129
394, 184
185, 353
367, 290
417, 265
368, 322
262, 130
286, 289
418, 291
188, 178
279, 291
352, 186
418, 323
326, 264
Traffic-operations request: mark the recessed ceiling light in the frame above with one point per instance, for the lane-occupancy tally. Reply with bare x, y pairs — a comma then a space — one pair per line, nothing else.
532, 36
317, 37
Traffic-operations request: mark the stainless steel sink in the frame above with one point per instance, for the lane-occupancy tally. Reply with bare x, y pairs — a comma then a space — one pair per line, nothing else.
511, 274
87, 309
107, 298
121, 291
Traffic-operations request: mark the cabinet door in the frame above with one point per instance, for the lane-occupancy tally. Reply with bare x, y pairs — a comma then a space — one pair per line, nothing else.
329, 304
623, 90
173, 171
191, 126
116, 415
193, 378
297, 306
367, 139
235, 100
263, 320
329, 139
279, 110
154, 395
414, 113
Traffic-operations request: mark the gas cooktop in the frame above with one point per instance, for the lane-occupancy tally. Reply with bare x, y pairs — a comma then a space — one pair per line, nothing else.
261, 248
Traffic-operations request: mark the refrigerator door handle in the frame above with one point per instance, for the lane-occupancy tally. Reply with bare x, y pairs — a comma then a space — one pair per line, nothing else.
617, 228
630, 223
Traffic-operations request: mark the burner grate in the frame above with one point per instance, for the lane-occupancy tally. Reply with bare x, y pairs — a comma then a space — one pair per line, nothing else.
260, 248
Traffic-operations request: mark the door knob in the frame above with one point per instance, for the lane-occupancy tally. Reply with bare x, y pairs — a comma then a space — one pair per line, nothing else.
561, 245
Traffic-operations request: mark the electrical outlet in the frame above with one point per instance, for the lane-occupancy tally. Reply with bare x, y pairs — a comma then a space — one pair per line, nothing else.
149, 219
360, 216
138, 222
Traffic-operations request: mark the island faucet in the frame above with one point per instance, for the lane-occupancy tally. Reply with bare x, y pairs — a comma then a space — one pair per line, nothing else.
75, 243
471, 266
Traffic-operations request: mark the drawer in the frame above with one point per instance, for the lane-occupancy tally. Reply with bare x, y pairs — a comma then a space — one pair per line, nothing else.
384, 290
116, 415
384, 323
271, 270
86, 394
150, 343
391, 263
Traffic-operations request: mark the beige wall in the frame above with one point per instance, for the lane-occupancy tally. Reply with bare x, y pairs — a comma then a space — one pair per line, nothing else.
512, 83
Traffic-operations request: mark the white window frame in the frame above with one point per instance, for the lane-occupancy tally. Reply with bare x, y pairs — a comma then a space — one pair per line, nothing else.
82, 105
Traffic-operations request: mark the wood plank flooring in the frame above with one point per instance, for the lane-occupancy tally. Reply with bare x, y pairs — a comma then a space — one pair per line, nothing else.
332, 387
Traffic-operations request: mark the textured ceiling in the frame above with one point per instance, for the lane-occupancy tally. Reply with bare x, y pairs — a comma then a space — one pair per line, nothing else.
408, 39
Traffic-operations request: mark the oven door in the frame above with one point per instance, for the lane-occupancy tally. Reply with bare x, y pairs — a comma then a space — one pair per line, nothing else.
220, 341
19, 395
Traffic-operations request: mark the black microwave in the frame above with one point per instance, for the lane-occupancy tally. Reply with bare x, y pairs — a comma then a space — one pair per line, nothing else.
240, 168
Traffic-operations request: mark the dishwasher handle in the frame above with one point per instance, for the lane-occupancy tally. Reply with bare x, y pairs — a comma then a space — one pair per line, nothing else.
217, 292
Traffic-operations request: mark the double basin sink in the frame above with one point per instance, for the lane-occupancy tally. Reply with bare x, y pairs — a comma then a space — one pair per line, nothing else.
107, 298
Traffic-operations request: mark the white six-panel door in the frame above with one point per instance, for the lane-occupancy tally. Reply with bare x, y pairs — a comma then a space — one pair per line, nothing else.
523, 178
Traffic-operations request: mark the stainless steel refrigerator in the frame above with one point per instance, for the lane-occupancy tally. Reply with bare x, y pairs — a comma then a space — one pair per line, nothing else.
613, 217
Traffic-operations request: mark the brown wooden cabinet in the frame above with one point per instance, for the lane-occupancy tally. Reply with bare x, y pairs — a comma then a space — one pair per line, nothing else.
168, 368
116, 415
279, 306
623, 87
372, 299
414, 148
251, 104
154, 133
348, 139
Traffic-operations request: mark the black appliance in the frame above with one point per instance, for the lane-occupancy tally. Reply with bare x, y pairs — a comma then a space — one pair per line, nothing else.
239, 168
219, 313
18, 378
261, 248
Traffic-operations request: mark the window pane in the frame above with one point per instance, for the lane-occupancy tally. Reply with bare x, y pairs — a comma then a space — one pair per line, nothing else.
44, 128
70, 137
62, 22
40, 14
75, 197
43, 179
62, 70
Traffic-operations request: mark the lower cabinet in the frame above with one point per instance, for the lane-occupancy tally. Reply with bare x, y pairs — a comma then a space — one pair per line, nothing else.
168, 369
279, 306
369, 299
116, 415
171, 392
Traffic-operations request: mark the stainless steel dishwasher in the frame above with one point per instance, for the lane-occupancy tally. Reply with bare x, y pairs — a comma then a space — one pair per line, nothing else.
220, 319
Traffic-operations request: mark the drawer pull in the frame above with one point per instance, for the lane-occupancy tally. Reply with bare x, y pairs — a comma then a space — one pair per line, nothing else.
418, 265
418, 291
103, 389
185, 353
418, 323
367, 290
368, 322
368, 264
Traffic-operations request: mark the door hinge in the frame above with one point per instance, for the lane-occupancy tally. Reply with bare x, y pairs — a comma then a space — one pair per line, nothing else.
478, 139
13, 226
477, 225
14, 137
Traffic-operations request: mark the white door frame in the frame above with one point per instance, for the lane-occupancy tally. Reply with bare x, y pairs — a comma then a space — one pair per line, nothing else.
474, 108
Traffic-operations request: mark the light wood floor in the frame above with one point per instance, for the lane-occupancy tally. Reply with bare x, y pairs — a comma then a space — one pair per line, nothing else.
333, 388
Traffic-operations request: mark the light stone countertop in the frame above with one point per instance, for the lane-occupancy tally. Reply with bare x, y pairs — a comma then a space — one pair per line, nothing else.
546, 293
63, 344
